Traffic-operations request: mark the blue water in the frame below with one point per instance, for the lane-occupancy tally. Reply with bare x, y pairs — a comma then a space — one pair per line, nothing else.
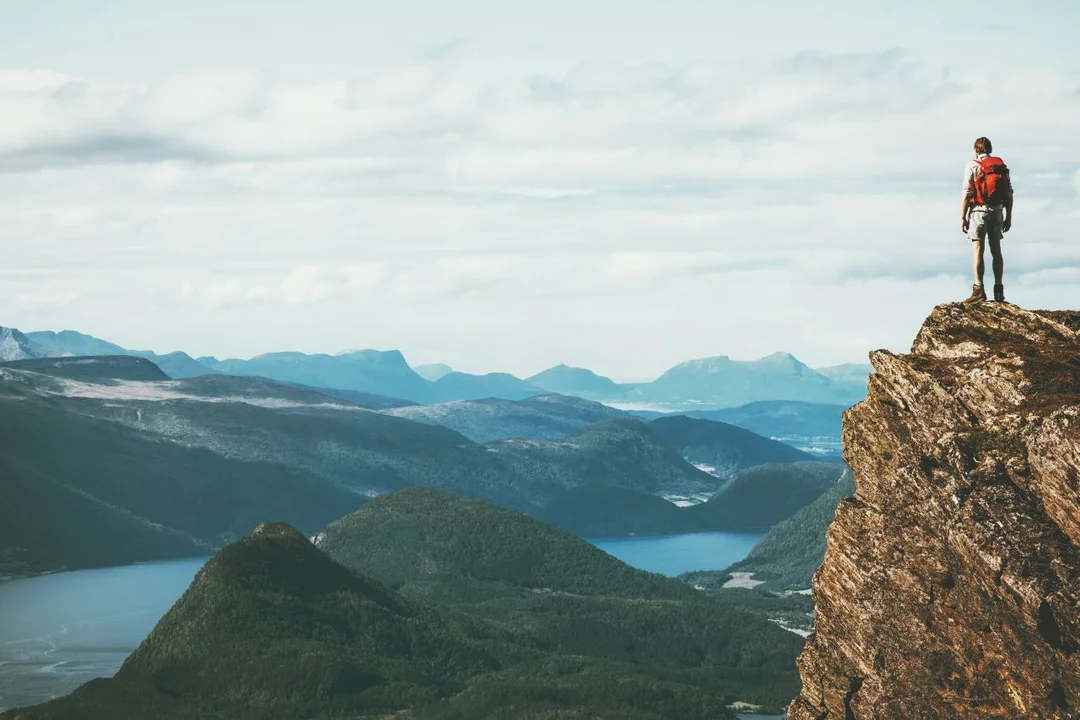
676, 554
59, 631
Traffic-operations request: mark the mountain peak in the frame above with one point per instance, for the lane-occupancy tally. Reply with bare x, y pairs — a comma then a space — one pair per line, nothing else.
277, 530
433, 371
14, 345
388, 357
277, 557
71, 342
949, 584
569, 380
713, 361
782, 358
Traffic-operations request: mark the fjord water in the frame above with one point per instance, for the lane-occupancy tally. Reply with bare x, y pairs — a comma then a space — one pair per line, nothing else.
59, 631
676, 554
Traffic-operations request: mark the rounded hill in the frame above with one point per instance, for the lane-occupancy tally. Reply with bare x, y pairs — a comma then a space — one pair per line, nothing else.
418, 534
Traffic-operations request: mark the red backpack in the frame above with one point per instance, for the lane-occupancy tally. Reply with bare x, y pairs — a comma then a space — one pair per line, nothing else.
991, 185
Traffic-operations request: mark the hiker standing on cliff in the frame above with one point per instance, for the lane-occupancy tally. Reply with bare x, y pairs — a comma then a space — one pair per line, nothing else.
986, 213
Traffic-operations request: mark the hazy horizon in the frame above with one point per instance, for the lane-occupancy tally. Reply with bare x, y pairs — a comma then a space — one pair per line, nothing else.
509, 188
412, 364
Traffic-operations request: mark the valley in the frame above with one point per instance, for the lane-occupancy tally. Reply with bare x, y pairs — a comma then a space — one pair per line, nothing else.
161, 466
188, 465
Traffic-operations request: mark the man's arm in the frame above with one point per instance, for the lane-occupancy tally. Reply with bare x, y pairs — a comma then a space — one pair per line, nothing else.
1008, 213
964, 213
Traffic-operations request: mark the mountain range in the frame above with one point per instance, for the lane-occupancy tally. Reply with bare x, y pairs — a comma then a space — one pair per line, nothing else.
167, 467
707, 383
721, 381
427, 606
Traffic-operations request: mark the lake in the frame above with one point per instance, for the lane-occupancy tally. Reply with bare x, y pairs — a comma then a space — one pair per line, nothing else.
59, 631
676, 554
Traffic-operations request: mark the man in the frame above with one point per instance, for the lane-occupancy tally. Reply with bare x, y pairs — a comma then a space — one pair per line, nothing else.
986, 214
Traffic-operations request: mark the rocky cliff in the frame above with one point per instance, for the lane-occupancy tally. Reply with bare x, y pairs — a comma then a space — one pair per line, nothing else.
951, 582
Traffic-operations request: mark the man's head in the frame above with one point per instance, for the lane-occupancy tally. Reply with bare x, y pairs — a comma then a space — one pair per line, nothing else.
983, 146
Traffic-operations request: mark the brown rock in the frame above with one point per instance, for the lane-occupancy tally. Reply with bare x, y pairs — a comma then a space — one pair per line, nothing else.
951, 583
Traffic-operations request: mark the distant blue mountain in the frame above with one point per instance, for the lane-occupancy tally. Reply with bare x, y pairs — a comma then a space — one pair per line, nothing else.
855, 374
781, 418
177, 365
69, 342
14, 345
567, 380
705, 384
369, 371
723, 382
433, 371
462, 386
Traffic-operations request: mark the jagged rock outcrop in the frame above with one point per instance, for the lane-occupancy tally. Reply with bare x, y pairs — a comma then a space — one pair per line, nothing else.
951, 583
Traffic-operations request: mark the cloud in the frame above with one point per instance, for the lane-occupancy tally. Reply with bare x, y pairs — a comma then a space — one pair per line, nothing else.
599, 128
305, 284
654, 211
222, 294
365, 275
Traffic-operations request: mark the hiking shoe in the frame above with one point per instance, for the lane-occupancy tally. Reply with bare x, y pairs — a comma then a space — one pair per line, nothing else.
999, 293
978, 294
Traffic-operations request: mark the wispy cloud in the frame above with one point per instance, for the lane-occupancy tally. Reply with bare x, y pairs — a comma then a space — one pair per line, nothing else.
745, 200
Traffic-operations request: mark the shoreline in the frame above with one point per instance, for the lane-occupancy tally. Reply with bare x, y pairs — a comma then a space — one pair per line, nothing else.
110, 566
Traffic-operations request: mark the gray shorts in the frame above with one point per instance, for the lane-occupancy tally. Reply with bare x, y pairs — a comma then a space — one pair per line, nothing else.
985, 224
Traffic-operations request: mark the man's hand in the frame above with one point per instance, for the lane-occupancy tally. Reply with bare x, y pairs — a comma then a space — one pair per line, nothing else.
1007, 225
964, 224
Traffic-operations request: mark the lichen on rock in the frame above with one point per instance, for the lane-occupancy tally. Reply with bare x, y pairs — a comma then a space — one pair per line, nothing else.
951, 583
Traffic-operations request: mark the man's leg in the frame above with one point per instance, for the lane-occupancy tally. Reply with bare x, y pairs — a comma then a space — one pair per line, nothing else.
998, 260
994, 236
977, 233
980, 264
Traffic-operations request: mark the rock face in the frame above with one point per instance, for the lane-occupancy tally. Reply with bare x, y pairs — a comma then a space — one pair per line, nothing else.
951, 582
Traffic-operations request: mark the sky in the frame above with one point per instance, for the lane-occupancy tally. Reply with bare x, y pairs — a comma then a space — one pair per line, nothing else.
504, 186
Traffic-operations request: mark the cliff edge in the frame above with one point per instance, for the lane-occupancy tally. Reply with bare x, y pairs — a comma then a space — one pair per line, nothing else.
951, 582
